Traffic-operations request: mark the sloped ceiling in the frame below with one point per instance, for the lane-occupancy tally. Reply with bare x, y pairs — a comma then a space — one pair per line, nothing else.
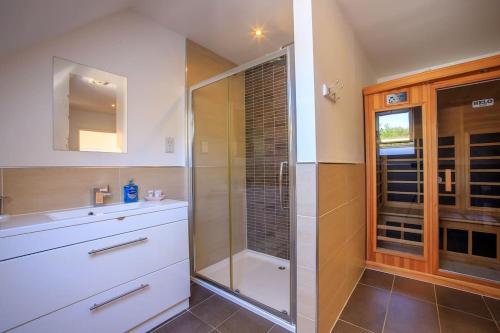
403, 36
25, 22
224, 26
397, 36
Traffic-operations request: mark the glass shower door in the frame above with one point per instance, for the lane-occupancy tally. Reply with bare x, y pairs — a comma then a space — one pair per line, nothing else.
468, 124
259, 159
211, 188
240, 184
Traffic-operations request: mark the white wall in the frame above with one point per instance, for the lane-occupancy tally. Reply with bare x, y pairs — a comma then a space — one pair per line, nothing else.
304, 81
338, 56
150, 56
326, 50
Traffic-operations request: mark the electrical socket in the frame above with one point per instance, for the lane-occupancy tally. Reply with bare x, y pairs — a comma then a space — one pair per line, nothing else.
169, 145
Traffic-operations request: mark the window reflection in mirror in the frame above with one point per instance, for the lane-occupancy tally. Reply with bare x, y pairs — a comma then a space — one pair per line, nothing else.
89, 109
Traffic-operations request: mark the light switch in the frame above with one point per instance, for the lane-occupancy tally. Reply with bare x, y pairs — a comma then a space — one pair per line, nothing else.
204, 147
170, 145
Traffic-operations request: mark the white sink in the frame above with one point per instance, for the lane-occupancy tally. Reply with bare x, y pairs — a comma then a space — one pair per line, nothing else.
92, 211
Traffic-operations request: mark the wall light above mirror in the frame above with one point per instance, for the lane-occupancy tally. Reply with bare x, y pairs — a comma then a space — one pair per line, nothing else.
89, 108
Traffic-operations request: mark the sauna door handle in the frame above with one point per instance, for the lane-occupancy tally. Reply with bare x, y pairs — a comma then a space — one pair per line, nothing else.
282, 166
447, 180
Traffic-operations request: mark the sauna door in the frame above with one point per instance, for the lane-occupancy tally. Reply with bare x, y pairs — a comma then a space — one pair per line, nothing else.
399, 164
468, 182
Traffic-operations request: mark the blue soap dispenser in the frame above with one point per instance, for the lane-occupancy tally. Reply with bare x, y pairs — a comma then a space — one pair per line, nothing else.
130, 192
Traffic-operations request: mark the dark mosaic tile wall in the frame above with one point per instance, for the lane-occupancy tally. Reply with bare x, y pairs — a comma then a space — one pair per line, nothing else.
266, 129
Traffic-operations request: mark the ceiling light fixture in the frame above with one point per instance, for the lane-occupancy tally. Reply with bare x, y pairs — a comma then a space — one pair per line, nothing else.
98, 82
258, 32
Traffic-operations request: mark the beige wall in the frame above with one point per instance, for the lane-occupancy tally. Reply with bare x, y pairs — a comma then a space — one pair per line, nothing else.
203, 64
341, 237
31, 190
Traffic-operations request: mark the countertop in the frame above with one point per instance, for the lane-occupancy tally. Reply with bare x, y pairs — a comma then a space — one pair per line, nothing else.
12, 225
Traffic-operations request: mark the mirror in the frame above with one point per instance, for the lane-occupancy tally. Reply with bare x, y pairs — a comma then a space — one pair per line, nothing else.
89, 108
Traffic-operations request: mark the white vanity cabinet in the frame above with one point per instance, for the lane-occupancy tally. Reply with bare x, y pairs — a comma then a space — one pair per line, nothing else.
91, 279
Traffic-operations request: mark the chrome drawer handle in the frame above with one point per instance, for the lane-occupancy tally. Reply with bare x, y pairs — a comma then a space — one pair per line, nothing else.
142, 239
98, 305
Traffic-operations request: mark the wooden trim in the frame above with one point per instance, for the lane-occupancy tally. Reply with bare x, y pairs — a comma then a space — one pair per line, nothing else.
446, 280
435, 74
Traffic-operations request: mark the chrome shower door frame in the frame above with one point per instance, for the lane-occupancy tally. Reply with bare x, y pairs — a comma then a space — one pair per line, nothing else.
288, 51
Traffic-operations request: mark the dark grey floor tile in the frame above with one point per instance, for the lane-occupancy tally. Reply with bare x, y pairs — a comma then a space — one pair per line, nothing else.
214, 310
278, 329
245, 321
366, 308
407, 314
186, 323
453, 321
344, 327
412, 288
494, 306
377, 279
198, 294
463, 301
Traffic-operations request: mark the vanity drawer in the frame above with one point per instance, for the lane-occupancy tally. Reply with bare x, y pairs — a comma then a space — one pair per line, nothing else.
34, 285
123, 307
20, 245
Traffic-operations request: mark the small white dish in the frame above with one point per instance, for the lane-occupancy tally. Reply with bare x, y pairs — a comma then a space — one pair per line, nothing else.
153, 198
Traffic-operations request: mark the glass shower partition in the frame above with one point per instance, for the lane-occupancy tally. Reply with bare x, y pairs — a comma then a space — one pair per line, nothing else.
242, 198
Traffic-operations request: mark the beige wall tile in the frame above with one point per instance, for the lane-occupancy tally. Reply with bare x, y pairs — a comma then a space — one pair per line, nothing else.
306, 292
332, 232
306, 189
341, 237
172, 180
305, 325
340, 183
41, 189
306, 242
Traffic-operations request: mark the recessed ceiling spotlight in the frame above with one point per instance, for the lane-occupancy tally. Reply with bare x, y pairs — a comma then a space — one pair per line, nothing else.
98, 82
258, 32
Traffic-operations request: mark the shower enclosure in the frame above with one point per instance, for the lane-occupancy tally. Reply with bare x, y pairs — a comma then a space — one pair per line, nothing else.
241, 182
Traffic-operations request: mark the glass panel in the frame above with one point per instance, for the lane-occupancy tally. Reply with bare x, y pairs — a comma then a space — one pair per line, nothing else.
469, 178
210, 181
259, 184
400, 180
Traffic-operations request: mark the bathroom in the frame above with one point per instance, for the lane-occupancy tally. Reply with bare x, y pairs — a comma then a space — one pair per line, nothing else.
229, 166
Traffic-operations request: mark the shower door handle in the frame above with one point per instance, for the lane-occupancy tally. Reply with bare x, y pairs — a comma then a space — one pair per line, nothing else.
282, 165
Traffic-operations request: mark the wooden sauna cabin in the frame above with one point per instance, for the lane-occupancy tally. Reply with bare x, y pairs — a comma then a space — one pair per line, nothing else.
433, 174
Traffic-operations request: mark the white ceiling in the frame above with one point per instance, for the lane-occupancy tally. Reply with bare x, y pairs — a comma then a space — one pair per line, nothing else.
401, 36
397, 36
25, 22
225, 26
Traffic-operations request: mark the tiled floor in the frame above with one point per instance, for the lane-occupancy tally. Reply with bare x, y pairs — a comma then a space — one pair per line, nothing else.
391, 304
211, 313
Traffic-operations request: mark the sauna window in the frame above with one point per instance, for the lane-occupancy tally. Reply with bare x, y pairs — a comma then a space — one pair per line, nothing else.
400, 175
395, 127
